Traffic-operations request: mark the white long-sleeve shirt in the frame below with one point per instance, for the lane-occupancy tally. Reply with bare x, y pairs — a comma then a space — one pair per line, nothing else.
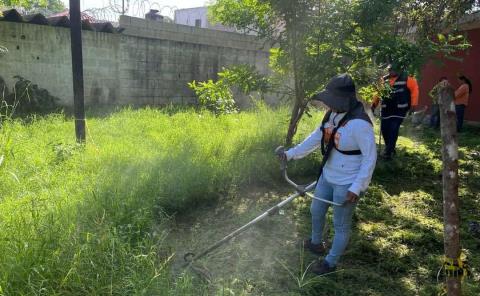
342, 169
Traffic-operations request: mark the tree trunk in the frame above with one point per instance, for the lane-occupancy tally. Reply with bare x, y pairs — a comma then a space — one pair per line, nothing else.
450, 184
300, 104
296, 115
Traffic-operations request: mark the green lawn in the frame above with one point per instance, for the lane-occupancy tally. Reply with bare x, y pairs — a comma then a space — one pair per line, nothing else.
114, 216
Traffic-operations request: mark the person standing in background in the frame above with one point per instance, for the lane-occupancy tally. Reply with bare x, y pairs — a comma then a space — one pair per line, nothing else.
395, 105
462, 95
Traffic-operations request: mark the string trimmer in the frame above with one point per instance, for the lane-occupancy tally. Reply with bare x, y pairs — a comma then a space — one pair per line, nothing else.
301, 190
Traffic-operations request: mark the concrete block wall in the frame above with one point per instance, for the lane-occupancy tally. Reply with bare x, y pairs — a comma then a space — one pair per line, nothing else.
148, 63
42, 54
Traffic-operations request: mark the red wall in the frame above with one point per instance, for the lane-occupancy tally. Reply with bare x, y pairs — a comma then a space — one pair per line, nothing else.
470, 67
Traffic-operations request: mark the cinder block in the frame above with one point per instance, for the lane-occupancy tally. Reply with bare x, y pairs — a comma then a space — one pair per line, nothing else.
150, 60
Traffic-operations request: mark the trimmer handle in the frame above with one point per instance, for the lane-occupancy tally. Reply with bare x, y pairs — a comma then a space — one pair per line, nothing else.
280, 152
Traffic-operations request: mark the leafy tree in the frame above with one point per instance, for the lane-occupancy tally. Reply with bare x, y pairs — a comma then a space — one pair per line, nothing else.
31, 5
409, 31
315, 39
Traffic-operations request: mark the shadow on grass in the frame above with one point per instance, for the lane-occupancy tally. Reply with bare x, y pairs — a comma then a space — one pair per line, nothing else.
409, 243
389, 254
397, 245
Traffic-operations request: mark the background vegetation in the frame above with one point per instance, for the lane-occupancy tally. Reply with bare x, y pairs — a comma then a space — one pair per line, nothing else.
317, 39
31, 6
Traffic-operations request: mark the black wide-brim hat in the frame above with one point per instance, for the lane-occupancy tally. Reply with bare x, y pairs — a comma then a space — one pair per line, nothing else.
339, 94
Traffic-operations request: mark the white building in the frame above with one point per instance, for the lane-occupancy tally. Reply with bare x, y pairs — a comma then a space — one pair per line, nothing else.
198, 17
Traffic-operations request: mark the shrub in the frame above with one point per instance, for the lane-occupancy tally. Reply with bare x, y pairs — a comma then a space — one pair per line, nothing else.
217, 96
214, 96
28, 98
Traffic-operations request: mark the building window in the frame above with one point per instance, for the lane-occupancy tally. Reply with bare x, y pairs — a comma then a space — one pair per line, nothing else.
198, 23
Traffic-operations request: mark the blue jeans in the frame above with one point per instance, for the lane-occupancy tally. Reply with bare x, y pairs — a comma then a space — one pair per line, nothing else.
342, 218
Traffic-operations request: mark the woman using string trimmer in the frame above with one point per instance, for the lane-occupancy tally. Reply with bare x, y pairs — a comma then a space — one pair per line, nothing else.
347, 141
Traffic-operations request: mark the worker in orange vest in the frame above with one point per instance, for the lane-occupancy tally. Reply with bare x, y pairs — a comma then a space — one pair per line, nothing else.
403, 96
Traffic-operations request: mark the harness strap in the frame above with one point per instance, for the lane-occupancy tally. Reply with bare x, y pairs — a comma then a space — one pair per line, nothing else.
349, 152
331, 142
324, 120
342, 122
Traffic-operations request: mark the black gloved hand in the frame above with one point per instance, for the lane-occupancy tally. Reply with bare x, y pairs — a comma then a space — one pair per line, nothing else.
280, 152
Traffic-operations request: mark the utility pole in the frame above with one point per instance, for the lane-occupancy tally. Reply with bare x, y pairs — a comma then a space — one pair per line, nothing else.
77, 69
451, 216
123, 7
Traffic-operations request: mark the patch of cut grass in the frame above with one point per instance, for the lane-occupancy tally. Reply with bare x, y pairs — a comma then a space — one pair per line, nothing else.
397, 244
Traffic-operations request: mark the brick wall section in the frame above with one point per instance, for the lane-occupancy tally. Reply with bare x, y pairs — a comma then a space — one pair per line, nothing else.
148, 63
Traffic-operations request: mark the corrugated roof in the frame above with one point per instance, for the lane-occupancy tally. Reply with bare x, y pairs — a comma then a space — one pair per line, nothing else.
58, 20
84, 15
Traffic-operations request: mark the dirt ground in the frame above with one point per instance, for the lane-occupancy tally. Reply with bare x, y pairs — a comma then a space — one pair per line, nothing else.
256, 261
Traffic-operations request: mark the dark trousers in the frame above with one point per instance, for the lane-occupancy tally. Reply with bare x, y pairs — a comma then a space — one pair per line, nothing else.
460, 110
390, 128
435, 116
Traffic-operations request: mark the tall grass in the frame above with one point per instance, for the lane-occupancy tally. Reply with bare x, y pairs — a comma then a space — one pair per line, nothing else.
88, 219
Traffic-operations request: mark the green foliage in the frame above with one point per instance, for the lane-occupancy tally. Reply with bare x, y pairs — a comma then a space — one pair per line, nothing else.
314, 40
412, 56
432, 17
407, 55
246, 78
249, 15
319, 39
379, 89
324, 38
217, 96
29, 5
214, 96
407, 28
448, 45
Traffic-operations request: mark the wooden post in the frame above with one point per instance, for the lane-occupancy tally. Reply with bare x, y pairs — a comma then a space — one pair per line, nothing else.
77, 69
450, 183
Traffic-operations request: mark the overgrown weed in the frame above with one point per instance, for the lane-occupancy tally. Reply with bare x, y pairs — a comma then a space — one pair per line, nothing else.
84, 220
